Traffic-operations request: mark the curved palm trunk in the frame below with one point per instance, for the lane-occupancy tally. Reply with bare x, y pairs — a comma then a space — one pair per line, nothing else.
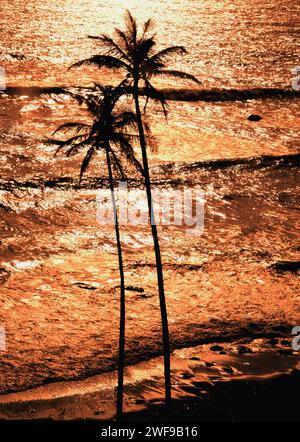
122, 294
159, 269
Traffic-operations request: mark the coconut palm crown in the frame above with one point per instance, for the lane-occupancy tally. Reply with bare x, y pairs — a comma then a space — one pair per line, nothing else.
135, 53
111, 128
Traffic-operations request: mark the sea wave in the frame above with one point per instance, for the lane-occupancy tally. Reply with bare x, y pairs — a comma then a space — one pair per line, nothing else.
206, 95
248, 164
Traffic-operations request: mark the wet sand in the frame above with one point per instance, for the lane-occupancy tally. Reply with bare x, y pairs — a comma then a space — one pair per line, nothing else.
211, 382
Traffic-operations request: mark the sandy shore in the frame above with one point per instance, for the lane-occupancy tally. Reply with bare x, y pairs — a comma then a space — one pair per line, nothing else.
210, 382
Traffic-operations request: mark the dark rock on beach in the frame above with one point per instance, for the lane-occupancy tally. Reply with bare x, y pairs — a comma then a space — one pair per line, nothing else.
286, 266
217, 348
85, 286
254, 118
135, 289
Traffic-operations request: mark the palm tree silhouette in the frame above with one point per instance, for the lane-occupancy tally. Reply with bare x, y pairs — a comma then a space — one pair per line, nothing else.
134, 53
110, 127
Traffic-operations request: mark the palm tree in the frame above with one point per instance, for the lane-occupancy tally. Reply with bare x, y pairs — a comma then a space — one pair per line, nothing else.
135, 54
110, 127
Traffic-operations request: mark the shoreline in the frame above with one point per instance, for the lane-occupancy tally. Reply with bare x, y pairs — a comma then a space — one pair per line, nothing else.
153, 351
206, 378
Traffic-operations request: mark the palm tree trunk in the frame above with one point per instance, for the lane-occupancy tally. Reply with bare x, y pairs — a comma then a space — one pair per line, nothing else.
122, 294
159, 269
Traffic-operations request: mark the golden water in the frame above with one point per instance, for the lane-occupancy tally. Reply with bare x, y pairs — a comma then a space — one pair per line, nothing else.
59, 278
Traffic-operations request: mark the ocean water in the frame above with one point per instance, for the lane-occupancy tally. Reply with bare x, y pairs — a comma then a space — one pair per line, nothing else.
230, 43
58, 267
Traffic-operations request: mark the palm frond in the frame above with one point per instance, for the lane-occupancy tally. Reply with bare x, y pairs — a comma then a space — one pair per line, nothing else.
67, 142
130, 137
58, 143
123, 40
118, 91
94, 106
100, 86
86, 161
101, 61
127, 149
148, 26
117, 164
177, 74
91, 97
131, 25
126, 120
143, 48
75, 126
166, 54
112, 47
151, 140
70, 146
73, 150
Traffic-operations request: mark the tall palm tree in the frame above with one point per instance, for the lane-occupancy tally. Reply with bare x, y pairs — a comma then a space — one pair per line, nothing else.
109, 127
135, 54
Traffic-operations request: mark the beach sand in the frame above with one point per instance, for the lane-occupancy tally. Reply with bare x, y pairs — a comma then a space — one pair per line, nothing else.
255, 380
